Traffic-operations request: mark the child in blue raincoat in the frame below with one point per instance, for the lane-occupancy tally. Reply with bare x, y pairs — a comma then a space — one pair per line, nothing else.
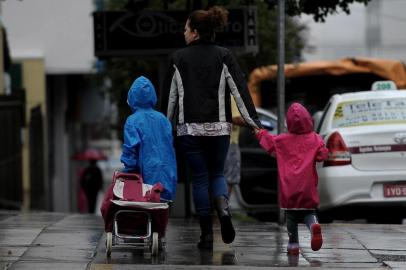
148, 141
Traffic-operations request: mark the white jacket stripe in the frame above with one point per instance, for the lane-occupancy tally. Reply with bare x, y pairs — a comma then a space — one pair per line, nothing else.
237, 97
221, 97
176, 89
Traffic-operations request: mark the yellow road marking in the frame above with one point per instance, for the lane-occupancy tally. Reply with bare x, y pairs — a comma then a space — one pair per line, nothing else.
101, 267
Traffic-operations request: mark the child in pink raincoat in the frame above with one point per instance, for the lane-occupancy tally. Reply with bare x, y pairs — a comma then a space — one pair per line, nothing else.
296, 153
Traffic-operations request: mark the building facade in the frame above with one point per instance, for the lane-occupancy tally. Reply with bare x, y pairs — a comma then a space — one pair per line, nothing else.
52, 42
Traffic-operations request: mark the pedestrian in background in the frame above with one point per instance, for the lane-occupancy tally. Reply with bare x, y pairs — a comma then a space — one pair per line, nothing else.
232, 167
196, 96
91, 182
148, 140
297, 153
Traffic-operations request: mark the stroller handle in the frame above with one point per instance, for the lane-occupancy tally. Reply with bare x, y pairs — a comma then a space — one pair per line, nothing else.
132, 176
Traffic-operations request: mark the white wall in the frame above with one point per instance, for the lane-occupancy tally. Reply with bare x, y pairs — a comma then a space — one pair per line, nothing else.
378, 30
61, 31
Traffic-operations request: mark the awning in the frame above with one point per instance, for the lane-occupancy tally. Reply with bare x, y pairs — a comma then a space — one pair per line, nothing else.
388, 69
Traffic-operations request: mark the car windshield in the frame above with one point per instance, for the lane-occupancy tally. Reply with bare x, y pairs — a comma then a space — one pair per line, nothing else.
370, 112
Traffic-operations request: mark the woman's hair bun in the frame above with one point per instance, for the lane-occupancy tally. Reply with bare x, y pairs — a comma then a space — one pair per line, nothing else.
218, 16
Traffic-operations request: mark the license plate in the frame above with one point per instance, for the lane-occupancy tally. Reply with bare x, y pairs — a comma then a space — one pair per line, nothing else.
394, 190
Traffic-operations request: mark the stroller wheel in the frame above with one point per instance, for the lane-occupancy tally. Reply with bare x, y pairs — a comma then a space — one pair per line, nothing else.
109, 243
154, 247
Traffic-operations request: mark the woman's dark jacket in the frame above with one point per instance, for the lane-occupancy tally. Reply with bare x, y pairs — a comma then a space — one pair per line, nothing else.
198, 84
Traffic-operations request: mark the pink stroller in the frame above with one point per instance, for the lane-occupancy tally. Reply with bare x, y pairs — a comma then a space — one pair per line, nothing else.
134, 216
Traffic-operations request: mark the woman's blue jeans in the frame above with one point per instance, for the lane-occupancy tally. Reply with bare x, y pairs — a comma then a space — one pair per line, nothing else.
205, 157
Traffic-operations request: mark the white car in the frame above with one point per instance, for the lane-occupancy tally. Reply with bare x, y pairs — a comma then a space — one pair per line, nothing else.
365, 133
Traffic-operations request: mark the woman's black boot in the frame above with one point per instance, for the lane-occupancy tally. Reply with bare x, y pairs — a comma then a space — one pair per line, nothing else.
206, 235
223, 211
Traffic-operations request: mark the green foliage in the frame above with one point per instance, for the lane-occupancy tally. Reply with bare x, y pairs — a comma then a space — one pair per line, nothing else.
320, 9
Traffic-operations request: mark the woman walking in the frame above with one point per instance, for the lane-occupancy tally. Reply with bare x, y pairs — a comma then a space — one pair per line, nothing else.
196, 97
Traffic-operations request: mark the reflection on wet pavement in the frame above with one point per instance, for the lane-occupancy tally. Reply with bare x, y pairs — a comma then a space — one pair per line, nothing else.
74, 241
256, 245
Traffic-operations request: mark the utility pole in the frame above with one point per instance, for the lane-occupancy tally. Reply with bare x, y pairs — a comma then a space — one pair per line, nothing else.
281, 80
2, 90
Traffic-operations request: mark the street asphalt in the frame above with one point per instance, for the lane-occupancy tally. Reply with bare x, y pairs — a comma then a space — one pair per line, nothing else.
44, 240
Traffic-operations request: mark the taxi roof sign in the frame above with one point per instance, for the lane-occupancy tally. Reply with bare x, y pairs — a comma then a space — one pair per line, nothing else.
383, 85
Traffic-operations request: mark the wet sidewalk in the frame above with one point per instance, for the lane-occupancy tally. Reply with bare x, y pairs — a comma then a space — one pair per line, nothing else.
63, 241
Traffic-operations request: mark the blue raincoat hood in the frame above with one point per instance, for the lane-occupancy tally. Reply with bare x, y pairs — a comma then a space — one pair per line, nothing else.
141, 94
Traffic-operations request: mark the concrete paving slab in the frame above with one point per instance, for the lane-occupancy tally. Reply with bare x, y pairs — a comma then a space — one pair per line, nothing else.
7, 214
396, 265
34, 265
31, 219
389, 257
49, 240
340, 256
352, 265
82, 239
74, 241
17, 236
53, 254
80, 222
72, 238
391, 239
5, 265
12, 252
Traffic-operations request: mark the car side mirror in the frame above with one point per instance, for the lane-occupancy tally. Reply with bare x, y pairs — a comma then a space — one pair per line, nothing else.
267, 125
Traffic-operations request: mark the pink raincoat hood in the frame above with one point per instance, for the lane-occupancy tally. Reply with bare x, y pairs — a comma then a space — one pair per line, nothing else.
298, 119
